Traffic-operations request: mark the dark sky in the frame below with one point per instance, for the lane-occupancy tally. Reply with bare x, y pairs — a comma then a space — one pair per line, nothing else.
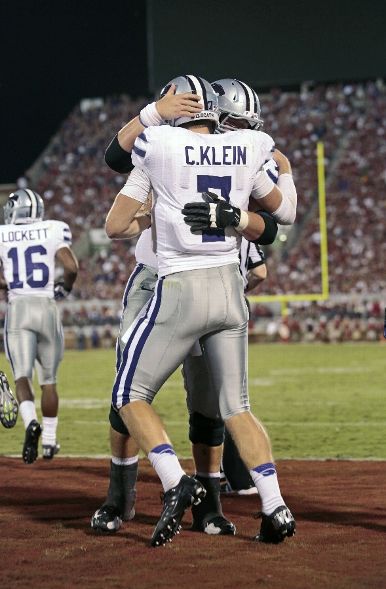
53, 53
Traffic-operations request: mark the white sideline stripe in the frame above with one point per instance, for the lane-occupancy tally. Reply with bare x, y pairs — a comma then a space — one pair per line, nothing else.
261, 382
320, 370
85, 403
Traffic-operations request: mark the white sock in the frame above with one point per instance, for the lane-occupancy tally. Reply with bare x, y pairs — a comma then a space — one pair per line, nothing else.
165, 462
124, 461
265, 479
28, 412
49, 431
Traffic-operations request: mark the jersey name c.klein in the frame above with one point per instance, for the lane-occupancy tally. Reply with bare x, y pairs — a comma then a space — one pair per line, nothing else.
27, 253
179, 165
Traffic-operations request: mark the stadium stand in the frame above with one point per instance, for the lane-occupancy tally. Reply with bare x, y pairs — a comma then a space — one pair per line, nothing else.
349, 118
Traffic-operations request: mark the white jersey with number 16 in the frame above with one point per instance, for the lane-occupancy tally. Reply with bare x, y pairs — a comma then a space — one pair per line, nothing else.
27, 253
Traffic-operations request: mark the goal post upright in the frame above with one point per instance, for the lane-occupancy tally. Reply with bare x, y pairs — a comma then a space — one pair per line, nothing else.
284, 299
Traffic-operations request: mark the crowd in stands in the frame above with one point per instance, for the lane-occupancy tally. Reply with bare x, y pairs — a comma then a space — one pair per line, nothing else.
328, 322
350, 119
354, 133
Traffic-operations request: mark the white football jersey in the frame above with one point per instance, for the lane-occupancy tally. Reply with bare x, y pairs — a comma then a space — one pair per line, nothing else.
180, 165
145, 249
27, 252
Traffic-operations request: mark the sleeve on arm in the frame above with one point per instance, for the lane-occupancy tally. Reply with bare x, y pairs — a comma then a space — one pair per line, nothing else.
117, 158
137, 186
286, 213
63, 234
262, 185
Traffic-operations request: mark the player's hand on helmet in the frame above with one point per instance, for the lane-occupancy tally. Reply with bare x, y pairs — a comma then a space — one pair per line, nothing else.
60, 291
172, 106
215, 214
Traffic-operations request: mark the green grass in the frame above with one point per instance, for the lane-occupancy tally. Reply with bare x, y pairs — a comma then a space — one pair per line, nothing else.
319, 401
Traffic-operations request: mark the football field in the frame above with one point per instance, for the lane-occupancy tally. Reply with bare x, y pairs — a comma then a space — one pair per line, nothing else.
317, 401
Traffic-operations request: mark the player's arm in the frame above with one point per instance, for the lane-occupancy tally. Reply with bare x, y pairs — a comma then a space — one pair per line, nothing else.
257, 270
120, 217
69, 262
138, 224
281, 199
256, 276
141, 221
170, 106
124, 220
130, 212
261, 227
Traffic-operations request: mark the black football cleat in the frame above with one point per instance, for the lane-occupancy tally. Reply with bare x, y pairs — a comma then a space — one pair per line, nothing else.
277, 526
208, 516
31, 440
188, 492
106, 520
215, 526
9, 407
50, 451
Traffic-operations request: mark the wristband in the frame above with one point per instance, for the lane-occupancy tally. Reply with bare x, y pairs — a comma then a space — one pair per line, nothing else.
149, 116
244, 220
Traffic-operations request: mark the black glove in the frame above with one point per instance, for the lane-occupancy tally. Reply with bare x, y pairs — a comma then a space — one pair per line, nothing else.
60, 291
215, 214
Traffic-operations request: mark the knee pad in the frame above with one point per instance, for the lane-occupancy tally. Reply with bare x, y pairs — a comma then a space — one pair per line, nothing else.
117, 423
205, 430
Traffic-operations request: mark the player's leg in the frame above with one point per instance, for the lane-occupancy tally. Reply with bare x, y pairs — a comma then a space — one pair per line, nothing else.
249, 435
253, 445
158, 343
238, 479
120, 500
33, 430
49, 407
206, 434
20, 348
50, 349
119, 504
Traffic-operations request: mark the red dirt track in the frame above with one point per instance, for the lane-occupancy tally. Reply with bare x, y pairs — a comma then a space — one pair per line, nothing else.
47, 542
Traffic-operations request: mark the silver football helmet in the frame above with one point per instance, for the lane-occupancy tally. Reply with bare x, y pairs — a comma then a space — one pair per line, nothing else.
199, 86
23, 206
238, 101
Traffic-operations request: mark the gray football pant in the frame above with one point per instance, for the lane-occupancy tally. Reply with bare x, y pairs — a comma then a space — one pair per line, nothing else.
33, 331
138, 291
206, 304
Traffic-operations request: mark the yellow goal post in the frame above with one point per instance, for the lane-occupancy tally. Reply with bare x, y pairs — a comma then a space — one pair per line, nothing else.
324, 294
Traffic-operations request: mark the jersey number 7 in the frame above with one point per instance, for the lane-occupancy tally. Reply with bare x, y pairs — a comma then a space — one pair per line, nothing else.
222, 183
